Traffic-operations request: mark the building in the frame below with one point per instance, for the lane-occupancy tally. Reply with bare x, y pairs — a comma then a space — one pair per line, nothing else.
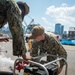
59, 29
71, 33
62, 29
65, 32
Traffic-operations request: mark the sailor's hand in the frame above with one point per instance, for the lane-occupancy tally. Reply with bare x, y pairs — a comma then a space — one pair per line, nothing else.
25, 57
59, 70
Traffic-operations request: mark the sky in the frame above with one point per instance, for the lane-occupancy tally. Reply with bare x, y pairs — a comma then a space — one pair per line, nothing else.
49, 12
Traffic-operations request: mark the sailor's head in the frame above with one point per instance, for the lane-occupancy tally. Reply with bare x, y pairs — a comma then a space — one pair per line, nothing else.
24, 8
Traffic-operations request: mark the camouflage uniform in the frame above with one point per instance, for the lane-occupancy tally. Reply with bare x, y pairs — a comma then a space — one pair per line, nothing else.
51, 46
10, 12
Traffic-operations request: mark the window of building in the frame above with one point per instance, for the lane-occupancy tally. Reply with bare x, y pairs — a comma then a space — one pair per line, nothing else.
70, 33
74, 33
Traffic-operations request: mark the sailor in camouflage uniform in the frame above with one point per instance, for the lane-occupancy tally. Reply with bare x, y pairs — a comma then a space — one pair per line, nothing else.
11, 13
43, 43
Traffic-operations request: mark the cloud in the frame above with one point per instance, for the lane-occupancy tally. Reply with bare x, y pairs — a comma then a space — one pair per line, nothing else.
45, 20
63, 14
48, 25
64, 4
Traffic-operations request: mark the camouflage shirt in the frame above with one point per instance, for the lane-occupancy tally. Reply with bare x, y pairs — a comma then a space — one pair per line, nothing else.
10, 12
49, 45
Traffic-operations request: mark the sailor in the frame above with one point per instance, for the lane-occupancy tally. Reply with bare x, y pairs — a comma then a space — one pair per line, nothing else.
13, 13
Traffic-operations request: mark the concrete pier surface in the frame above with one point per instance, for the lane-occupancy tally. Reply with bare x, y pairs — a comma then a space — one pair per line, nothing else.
7, 46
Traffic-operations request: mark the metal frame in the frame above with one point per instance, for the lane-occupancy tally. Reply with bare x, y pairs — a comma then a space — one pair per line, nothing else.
40, 65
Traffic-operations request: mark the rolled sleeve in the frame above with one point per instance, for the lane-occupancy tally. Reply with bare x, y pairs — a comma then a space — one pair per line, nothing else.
63, 54
59, 50
15, 25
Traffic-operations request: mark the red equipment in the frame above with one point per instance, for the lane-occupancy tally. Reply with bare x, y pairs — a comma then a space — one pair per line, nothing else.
20, 65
